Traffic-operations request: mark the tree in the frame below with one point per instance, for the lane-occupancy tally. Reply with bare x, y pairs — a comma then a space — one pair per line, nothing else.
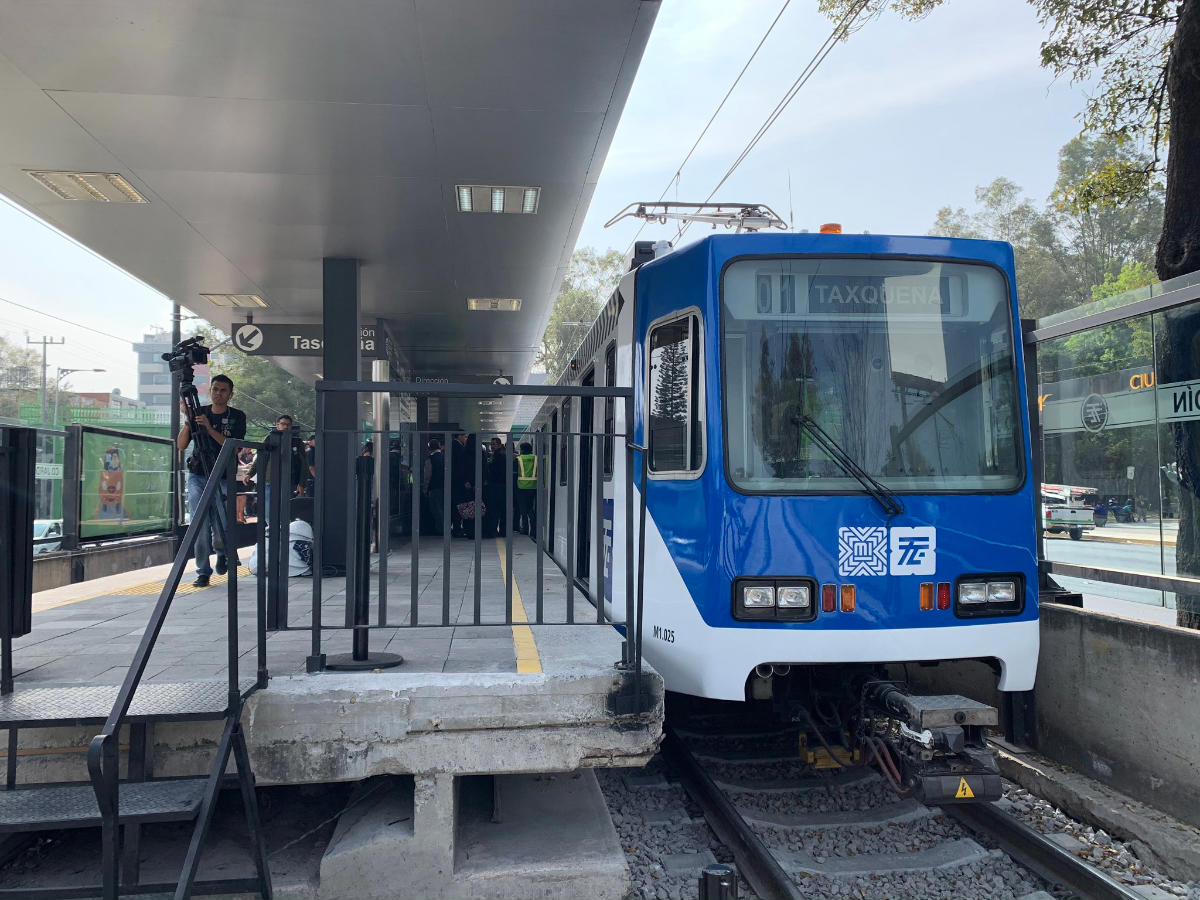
21, 379
1044, 283
1064, 249
589, 281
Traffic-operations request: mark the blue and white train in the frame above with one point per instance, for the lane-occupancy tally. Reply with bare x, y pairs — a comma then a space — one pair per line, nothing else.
838, 455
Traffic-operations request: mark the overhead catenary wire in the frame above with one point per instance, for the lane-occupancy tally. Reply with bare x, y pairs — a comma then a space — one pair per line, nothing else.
679, 168
839, 31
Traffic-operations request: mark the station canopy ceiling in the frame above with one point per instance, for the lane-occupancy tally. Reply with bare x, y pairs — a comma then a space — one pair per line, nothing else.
268, 134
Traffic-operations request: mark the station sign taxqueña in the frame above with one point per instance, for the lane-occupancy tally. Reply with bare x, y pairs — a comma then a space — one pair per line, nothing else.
300, 340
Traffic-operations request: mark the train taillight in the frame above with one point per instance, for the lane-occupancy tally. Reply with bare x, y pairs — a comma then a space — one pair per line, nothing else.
926, 595
828, 598
847, 598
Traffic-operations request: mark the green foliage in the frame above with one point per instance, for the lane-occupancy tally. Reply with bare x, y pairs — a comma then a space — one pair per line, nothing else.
1062, 249
1133, 276
589, 281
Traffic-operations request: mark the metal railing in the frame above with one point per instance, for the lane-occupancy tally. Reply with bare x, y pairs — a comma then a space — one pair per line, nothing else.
569, 454
103, 751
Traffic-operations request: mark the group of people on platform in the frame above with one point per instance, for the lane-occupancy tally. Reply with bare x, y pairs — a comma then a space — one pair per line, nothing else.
217, 421
465, 517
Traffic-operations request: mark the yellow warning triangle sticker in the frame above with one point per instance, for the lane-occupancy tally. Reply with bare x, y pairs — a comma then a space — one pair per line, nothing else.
964, 791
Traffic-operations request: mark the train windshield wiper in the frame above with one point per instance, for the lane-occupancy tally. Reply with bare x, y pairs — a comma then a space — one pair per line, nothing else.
889, 501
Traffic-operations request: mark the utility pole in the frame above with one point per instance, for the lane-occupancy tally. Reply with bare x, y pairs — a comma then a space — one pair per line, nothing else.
46, 342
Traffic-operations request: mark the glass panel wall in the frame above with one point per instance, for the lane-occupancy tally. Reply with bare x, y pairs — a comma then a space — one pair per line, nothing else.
1120, 414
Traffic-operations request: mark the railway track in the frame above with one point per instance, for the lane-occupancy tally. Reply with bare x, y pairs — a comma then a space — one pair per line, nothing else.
791, 832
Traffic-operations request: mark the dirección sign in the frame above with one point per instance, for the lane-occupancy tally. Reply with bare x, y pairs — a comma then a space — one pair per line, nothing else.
299, 340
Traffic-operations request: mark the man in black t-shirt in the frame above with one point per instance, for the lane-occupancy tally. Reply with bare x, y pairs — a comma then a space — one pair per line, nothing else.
214, 423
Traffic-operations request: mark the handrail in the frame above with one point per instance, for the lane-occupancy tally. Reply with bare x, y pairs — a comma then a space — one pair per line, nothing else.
102, 761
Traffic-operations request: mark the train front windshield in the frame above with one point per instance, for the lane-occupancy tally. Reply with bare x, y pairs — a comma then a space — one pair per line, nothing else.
909, 365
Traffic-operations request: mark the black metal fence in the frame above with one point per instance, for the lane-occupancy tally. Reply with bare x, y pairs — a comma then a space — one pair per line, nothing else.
581, 463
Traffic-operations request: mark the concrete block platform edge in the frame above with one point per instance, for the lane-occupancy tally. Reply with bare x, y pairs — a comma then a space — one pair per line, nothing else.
1160, 840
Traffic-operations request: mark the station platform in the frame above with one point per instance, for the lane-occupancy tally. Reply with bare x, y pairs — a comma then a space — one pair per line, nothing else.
506, 703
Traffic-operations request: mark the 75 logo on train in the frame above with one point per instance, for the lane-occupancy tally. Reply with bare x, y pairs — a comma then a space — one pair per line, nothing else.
877, 550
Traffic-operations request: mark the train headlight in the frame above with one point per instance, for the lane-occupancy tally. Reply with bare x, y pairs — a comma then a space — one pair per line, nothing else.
785, 599
972, 593
1004, 592
758, 597
990, 595
793, 597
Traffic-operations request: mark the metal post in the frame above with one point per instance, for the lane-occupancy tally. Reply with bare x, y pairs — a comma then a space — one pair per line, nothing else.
446, 527
363, 478
718, 882
271, 472
176, 497
72, 485
359, 602
231, 583
383, 521
477, 480
598, 520
268, 611
1035, 432
627, 485
570, 492
540, 492
415, 526
508, 529
316, 659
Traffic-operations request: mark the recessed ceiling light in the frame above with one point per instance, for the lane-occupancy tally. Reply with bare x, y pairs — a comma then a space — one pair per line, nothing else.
102, 187
495, 198
494, 304
243, 301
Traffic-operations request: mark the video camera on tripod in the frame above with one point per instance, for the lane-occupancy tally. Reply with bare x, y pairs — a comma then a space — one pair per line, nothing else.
182, 361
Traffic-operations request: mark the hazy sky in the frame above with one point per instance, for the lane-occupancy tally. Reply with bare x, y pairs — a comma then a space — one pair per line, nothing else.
902, 119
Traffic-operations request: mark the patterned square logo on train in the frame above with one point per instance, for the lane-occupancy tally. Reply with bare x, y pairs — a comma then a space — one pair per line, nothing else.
862, 551
913, 550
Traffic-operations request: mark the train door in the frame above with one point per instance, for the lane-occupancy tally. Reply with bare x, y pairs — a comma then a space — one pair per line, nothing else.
583, 518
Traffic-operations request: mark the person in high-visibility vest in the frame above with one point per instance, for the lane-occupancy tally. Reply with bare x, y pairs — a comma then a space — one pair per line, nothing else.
526, 496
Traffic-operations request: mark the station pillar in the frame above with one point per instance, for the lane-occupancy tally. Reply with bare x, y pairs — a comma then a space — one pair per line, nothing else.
340, 306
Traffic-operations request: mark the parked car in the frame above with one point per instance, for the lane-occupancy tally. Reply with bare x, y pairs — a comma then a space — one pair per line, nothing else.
47, 528
1065, 508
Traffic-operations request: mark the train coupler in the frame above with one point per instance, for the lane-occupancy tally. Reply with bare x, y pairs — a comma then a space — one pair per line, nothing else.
938, 743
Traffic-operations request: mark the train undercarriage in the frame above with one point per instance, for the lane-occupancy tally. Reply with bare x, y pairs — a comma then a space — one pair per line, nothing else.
931, 747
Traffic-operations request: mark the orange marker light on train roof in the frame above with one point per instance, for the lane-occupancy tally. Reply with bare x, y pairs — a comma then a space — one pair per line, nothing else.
831, 228
847, 598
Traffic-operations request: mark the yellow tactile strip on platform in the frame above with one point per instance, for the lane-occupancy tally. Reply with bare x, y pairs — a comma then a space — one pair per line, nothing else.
528, 660
155, 587
149, 589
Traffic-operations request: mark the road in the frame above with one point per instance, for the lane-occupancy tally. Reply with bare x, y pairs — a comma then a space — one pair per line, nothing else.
1149, 558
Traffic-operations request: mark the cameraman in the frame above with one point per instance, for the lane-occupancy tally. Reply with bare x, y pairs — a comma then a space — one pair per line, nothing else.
214, 423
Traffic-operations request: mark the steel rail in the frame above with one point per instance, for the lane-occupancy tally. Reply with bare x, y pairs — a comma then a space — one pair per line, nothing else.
754, 861
1039, 854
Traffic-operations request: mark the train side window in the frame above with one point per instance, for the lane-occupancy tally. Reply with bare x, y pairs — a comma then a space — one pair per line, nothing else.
675, 402
563, 442
610, 409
